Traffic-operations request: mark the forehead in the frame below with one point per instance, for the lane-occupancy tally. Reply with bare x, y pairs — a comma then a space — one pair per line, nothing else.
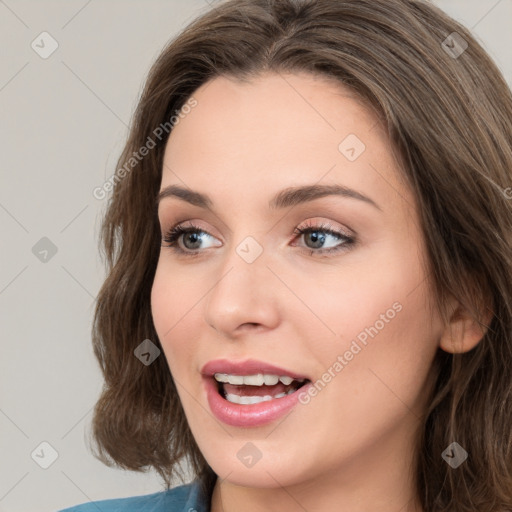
280, 108
280, 130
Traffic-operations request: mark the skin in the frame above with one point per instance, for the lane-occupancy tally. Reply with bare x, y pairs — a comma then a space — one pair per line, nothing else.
352, 445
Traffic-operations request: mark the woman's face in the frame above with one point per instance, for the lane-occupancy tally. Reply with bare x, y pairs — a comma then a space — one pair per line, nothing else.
246, 284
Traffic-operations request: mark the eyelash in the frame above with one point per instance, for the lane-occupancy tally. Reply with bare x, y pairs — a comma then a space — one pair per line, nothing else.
172, 236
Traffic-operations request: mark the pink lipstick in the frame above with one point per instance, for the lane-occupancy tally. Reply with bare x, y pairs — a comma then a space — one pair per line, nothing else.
250, 393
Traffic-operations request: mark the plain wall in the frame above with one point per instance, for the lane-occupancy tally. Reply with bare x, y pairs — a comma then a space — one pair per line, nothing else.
64, 122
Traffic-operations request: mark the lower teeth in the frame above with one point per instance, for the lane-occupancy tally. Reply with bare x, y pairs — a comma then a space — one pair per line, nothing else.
249, 400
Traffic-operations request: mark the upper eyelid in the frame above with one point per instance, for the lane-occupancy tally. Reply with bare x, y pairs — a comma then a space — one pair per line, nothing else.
304, 209
162, 214
313, 220
308, 225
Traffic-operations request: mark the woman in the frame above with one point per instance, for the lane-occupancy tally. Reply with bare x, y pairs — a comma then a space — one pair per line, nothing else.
309, 250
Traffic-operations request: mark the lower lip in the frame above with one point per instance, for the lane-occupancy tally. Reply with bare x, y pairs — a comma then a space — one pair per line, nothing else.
252, 415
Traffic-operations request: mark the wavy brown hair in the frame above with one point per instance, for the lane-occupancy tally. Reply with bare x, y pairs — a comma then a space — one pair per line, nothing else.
449, 118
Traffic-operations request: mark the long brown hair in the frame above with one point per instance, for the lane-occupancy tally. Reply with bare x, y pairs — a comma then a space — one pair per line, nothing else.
448, 112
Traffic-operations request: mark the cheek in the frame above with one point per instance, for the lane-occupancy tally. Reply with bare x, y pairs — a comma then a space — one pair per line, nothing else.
162, 304
387, 347
376, 311
173, 311
343, 303
173, 295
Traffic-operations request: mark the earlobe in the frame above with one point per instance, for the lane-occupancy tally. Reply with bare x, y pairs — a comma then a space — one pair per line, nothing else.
463, 333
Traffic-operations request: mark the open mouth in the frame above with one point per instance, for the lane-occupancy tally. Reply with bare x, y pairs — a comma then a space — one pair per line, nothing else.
254, 389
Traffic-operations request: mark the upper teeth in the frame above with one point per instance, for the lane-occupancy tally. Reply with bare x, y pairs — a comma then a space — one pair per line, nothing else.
254, 380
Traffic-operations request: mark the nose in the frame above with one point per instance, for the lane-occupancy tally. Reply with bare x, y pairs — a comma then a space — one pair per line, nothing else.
244, 297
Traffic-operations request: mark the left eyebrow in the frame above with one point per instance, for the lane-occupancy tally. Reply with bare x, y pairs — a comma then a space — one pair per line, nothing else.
288, 197
295, 195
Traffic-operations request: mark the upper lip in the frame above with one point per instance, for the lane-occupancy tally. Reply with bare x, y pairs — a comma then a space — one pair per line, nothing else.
247, 367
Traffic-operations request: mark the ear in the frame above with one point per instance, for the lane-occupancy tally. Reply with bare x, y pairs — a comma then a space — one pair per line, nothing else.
463, 333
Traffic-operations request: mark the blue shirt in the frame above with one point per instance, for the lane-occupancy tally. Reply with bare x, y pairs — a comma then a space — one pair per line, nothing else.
185, 498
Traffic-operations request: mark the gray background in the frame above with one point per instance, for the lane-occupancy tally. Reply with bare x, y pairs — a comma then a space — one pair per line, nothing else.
64, 122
